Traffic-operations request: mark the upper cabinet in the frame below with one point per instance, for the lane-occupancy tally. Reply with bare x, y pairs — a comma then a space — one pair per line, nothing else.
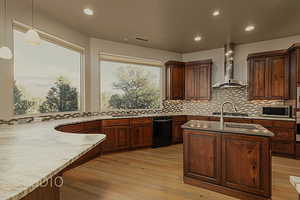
268, 75
294, 52
175, 80
198, 80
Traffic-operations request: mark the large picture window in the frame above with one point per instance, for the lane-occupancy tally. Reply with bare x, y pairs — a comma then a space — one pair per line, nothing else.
127, 85
46, 77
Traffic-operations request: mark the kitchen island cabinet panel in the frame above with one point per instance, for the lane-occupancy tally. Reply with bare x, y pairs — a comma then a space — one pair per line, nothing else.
202, 156
246, 169
232, 161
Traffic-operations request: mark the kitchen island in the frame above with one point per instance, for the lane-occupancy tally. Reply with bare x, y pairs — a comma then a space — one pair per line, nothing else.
233, 160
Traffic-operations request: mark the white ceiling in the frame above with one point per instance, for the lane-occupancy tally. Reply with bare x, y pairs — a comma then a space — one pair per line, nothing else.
172, 24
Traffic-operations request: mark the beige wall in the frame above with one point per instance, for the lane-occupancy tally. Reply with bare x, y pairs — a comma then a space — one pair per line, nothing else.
241, 53
98, 46
19, 10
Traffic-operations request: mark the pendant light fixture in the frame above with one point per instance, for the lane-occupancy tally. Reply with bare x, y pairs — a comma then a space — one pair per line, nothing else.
32, 37
5, 52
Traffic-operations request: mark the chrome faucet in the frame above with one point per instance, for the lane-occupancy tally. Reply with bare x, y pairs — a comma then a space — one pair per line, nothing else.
222, 108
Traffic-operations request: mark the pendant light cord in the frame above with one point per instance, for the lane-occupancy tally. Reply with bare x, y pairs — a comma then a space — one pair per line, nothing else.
4, 21
32, 4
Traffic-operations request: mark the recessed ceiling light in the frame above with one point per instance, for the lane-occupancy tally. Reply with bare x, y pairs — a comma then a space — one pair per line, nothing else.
198, 38
250, 28
88, 11
216, 13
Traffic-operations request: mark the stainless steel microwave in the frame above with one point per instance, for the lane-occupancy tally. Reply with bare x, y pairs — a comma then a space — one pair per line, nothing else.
277, 111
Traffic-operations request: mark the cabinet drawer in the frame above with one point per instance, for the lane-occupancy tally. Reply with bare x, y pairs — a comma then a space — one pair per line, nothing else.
283, 124
137, 121
115, 122
264, 123
205, 118
283, 134
283, 147
179, 118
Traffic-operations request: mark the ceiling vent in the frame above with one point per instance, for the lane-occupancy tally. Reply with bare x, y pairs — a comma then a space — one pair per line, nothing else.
142, 39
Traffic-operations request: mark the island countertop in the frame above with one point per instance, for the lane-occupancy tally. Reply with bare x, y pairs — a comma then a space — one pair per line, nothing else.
30, 154
229, 127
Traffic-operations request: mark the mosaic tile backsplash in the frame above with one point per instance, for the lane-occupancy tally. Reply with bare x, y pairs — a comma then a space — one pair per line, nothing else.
236, 95
239, 96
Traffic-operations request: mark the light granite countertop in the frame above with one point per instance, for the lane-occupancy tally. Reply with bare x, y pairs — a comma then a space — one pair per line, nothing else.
30, 154
238, 128
295, 181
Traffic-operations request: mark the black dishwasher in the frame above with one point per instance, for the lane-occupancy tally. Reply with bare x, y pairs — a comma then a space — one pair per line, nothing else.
162, 131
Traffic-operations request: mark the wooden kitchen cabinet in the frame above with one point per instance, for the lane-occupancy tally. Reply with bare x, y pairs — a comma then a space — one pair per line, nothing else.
268, 75
246, 171
234, 164
285, 135
202, 156
141, 132
175, 80
177, 132
198, 80
117, 135
294, 52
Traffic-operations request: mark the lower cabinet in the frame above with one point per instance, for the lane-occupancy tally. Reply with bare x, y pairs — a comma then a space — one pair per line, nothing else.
122, 134
246, 170
177, 132
141, 136
237, 162
202, 156
117, 138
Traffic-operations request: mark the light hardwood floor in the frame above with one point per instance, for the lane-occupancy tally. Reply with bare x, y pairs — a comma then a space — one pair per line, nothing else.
155, 174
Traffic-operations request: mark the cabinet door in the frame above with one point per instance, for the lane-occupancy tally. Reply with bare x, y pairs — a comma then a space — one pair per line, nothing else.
199, 147
177, 132
117, 138
257, 78
141, 136
177, 87
189, 83
202, 82
175, 80
278, 77
248, 170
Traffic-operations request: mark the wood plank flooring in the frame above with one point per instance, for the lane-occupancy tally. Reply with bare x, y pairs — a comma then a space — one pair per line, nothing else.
155, 174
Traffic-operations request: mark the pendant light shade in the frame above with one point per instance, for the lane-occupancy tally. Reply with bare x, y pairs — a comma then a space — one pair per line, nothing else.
32, 37
5, 53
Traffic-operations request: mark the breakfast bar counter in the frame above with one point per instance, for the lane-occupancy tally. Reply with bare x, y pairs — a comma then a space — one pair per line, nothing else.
31, 154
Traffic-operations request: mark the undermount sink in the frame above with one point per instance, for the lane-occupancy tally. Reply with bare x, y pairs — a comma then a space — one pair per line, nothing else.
250, 127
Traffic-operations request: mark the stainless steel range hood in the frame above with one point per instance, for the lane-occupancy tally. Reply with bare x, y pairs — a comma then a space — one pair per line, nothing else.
229, 81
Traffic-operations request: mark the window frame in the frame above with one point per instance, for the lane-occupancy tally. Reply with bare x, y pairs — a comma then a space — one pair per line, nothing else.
132, 60
62, 43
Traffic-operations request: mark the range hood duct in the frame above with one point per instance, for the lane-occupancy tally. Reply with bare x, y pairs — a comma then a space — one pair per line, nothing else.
229, 81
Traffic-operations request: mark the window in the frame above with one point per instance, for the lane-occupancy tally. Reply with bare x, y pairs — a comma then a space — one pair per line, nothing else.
46, 77
128, 85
